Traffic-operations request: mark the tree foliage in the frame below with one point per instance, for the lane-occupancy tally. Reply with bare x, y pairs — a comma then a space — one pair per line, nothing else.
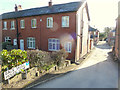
106, 31
102, 36
13, 58
44, 60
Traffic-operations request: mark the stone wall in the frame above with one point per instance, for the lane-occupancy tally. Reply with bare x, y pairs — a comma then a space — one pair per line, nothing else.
32, 73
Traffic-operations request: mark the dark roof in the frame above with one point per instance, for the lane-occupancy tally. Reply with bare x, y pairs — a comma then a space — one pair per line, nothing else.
59, 8
92, 29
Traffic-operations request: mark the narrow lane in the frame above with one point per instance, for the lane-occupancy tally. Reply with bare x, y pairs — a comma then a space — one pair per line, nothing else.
98, 71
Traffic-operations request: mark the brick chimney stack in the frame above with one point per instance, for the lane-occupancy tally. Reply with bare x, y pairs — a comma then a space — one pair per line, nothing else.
50, 3
16, 8
19, 7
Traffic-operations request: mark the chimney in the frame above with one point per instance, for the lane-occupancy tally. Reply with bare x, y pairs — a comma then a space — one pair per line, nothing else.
50, 3
19, 7
16, 9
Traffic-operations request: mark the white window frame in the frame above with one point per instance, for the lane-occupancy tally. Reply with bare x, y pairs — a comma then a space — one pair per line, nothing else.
15, 41
22, 24
5, 25
35, 22
31, 41
56, 43
12, 25
65, 21
49, 22
7, 39
68, 47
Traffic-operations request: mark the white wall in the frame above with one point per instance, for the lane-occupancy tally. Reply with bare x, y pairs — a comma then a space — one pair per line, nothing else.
79, 17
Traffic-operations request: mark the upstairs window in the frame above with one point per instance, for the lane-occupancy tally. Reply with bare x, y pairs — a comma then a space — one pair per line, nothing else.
22, 24
65, 21
53, 44
31, 42
33, 23
68, 46
7, 39
4, 25
12, 24
49, 22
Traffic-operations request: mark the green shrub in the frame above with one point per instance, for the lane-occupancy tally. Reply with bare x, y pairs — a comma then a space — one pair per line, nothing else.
13, 58
45, 60
59, 57
5, 44
47, 67
39, 58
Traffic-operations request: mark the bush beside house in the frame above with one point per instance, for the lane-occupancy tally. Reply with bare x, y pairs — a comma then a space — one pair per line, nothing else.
46, 60
8, 46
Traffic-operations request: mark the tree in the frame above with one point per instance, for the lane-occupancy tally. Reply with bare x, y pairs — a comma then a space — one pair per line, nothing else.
102, 36
106, 31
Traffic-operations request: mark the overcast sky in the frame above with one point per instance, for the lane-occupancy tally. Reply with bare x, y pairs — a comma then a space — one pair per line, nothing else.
102, 12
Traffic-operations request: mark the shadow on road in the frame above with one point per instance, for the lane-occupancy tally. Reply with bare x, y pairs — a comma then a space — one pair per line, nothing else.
103, 46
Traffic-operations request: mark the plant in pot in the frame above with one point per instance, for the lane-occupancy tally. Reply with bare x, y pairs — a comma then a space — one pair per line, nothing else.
24, 74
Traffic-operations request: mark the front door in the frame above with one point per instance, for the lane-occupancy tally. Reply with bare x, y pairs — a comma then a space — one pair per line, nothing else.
21, 44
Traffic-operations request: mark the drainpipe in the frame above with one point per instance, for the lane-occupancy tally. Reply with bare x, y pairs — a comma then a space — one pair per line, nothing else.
81, 35
17, 34
40, 34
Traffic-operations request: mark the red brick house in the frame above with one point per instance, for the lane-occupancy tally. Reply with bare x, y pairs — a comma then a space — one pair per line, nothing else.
49, 28
94, 36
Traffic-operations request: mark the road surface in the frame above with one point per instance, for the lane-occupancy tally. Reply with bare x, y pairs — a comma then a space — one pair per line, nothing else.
98, 71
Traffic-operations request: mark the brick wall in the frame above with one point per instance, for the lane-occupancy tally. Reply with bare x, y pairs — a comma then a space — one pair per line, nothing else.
117, 39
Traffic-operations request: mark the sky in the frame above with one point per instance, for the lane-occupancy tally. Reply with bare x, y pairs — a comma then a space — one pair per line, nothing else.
102, 12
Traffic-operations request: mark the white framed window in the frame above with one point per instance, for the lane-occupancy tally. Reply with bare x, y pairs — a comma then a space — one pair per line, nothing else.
65, 21
31, 42
12, 25
33, 23
5, 25
14, 41
49, 22
22, 24
7, 39
53, 44
68, 46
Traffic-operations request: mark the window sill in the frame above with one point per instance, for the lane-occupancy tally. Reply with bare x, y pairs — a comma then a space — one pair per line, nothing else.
12, 29
30, 48
4, 28
53, 50
65, 26
68, 51
49, 27
22, 27
33, 27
